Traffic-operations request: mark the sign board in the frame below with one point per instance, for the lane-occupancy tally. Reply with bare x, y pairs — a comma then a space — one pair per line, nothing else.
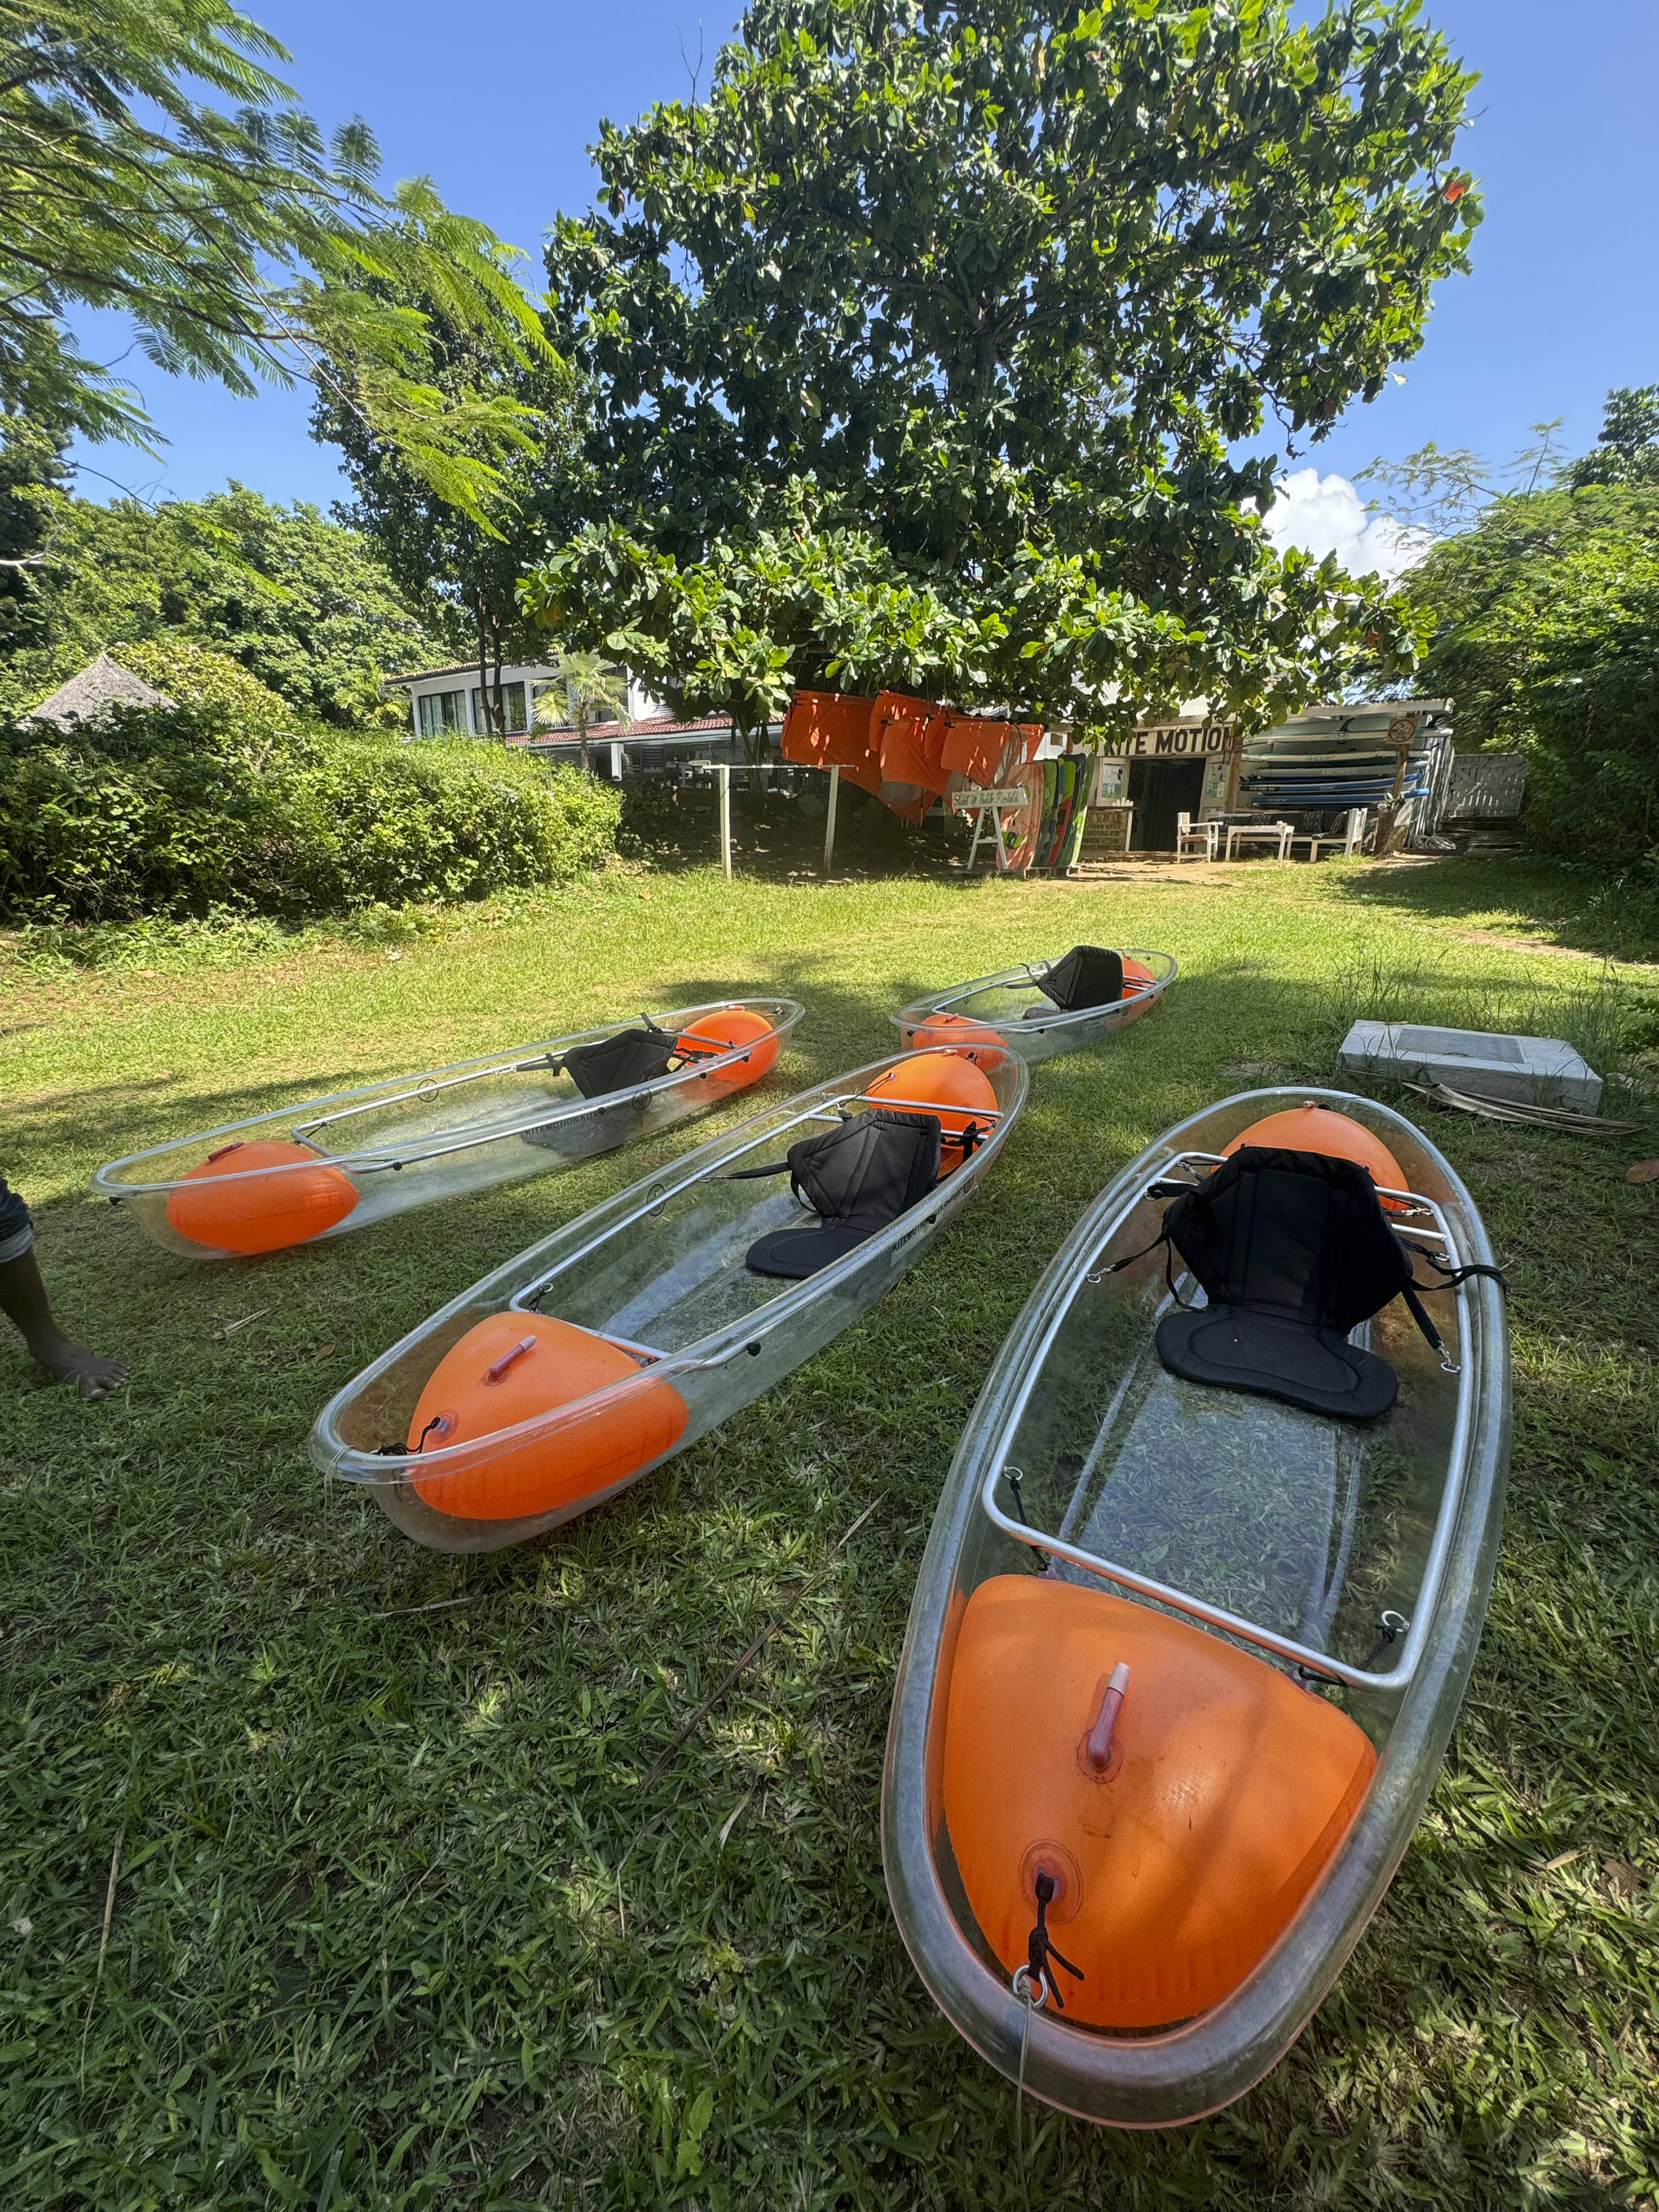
1176, 740
970, 800
1403, 732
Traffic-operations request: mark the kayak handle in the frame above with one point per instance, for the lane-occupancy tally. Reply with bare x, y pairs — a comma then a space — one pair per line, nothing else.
1098, 1750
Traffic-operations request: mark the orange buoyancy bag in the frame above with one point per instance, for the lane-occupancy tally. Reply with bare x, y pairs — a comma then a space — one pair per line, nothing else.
958, 1032
1180, 1827
1315, 1128
230, 1205
1137, 976
509, 1369
718, 1032
941, 1080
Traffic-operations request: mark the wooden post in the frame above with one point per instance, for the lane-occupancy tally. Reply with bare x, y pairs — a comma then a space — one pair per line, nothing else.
725, 772
1235, 763
830, 821
1403, 736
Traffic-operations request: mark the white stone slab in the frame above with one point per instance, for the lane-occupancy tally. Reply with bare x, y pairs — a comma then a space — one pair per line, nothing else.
1530, 1070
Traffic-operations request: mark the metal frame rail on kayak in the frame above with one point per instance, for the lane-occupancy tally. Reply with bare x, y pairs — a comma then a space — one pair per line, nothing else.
1184, 1601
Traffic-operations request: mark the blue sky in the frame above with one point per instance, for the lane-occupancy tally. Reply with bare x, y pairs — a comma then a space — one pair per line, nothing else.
500, 100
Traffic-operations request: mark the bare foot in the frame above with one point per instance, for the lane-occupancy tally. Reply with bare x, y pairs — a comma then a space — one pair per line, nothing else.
93, 1376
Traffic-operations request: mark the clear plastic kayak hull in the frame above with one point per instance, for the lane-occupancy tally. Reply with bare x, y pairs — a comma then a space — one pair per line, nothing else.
1011, 1009
327, 1165
1351, 1562
661, 1271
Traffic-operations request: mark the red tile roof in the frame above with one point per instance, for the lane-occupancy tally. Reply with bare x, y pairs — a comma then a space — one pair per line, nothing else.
609, 733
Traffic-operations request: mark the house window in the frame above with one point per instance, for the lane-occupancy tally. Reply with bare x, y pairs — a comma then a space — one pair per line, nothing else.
440, 711
512, 706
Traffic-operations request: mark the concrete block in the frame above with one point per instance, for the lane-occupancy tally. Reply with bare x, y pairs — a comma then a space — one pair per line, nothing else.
1529, 1071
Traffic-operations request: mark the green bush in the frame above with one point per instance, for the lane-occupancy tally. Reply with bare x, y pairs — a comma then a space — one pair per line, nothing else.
1546, 636
185, 810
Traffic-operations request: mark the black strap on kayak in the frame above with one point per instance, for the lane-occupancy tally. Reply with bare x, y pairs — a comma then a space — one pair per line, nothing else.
1411, 1290
1041, 1956
968, 1140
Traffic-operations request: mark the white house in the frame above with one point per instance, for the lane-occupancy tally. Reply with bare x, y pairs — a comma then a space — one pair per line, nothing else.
450, 700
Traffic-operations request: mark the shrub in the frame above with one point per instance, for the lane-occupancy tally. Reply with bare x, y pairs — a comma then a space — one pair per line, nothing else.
1547, 638
200, 806
210, 684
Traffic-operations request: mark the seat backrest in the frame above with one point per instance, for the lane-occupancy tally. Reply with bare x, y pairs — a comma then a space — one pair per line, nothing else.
1183, 824
1298, 1235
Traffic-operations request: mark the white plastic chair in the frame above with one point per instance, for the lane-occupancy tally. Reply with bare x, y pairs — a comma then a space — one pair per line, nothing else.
1351, 838
1202, 837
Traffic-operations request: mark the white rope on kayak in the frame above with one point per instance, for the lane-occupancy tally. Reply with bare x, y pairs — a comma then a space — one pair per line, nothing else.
1034, 1996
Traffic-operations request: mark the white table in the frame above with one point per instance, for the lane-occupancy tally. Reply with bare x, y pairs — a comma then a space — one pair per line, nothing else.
1278, 833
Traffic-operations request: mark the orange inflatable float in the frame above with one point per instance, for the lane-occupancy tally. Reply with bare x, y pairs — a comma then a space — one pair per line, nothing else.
1182, 1812
961, 1032
943, 1081
227, 1204
1315, 1128
1137, 976
719, 1032
509, 1369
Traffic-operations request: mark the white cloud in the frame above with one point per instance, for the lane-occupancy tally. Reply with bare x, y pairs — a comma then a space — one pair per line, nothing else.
1325, 514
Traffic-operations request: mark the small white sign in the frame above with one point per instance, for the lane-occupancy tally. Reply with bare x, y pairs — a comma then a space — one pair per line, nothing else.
970, 801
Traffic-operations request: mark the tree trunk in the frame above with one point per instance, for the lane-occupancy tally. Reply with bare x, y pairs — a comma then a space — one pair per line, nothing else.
483, 658
582, 733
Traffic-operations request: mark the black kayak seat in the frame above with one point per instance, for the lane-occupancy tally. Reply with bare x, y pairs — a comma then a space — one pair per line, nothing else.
618, 1062
1293, 1251
857, 1178
1086, 976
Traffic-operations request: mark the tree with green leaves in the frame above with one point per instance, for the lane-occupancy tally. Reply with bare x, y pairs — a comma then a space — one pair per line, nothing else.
1540, 613
236, 241
302, 603
470, 566
1626, 451
964, 306
594, 692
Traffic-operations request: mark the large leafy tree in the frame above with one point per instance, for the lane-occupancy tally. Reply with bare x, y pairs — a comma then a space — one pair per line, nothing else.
978, 299
470, 565
302, 603
1540, 609
234, 238
1545, 620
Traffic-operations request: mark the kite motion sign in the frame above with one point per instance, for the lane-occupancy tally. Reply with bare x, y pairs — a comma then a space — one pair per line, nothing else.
1176, 740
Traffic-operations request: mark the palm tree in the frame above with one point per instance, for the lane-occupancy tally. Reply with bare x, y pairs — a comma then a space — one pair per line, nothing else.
593, 689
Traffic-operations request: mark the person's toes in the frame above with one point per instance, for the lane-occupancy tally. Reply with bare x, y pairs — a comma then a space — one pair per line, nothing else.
96, 1378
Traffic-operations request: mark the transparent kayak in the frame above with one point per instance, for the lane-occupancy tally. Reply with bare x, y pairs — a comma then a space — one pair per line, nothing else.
1189, 1656
649, 1302
1011, 1009
316, 1169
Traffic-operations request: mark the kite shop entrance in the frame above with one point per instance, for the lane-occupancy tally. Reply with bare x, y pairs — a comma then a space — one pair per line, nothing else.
1159, 790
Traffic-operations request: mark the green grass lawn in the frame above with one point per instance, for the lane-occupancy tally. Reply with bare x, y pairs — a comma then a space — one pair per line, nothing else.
403, 1915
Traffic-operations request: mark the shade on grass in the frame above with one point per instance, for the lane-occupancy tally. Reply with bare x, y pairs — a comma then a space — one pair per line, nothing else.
404, 1917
